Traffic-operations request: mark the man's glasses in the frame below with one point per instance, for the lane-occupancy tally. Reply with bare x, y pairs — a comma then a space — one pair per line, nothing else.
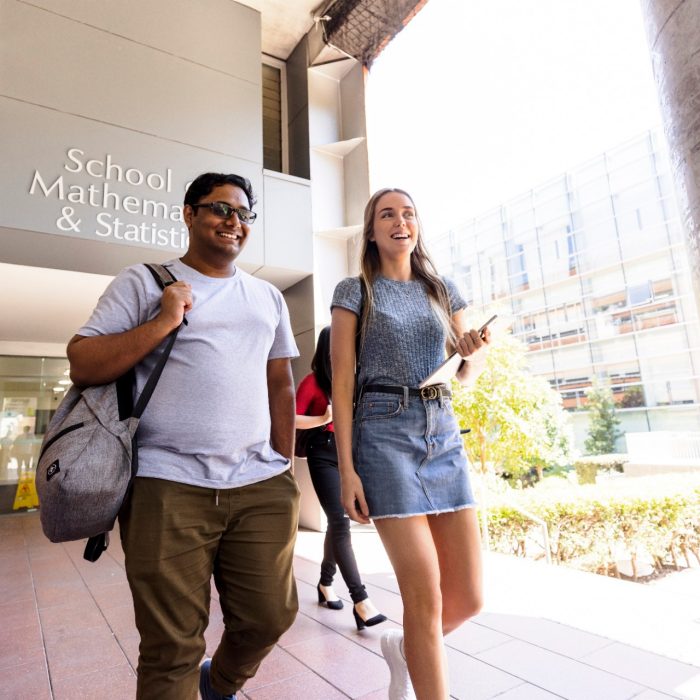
226, 211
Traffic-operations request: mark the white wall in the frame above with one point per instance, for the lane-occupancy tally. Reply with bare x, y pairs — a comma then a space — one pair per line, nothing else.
163, 90
288, 233
331, 265
159, 89
147, 84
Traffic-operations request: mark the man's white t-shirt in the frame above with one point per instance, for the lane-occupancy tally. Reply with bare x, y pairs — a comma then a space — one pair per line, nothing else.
208, 421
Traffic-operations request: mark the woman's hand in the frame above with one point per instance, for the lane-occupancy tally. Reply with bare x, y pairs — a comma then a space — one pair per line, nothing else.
304, 422
328, 415
472, 346
472, 342
352, 496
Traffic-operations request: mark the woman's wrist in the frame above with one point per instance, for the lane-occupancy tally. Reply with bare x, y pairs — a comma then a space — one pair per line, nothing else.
471, 368
346, 469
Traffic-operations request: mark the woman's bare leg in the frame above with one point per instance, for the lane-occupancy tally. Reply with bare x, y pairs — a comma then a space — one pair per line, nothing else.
458, 545
410, 547
437, 561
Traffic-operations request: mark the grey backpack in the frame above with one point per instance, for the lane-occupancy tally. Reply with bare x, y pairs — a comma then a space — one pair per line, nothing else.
88, 458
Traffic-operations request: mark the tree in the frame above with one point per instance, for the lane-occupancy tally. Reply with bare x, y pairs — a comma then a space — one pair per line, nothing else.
516, 419
633, 397
603, 422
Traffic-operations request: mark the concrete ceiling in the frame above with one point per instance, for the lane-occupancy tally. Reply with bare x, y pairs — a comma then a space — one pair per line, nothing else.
46, 305
284, 23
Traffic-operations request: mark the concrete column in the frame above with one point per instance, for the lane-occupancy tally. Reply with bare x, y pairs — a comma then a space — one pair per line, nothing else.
673, 31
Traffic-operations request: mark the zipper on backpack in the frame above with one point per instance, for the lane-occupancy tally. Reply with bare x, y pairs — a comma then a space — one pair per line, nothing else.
60, 434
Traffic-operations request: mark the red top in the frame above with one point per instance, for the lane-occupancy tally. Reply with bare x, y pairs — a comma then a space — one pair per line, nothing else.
311, 399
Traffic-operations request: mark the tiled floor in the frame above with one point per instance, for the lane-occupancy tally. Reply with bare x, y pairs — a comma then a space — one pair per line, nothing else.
67, 631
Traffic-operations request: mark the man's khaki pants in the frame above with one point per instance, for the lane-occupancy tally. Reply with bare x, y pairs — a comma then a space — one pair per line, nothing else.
175, 537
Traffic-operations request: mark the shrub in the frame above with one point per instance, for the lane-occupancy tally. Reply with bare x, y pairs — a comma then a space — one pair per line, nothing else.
586, 472
633, 397
587, 468
589, 524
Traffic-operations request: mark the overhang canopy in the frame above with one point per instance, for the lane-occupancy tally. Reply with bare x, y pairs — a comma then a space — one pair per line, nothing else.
359, 28
362, 28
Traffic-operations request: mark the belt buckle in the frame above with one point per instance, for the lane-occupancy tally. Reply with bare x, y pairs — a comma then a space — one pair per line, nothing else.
428, 393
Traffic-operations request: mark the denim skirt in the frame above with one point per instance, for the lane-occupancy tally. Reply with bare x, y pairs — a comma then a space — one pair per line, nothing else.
409, 455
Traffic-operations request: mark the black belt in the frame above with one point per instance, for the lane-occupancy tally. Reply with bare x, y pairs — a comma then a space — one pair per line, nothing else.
427, 393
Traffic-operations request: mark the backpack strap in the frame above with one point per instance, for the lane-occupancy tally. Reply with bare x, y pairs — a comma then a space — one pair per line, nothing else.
125, 384
161, 274
164, 278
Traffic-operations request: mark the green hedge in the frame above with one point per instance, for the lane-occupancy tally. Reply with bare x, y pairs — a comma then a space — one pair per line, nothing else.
587, 468
588, 525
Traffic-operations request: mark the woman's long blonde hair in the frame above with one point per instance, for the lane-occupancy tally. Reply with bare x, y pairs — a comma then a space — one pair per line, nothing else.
422, 268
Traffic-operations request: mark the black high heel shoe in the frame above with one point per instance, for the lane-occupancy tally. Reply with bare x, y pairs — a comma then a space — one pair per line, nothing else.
370, 622
332, 604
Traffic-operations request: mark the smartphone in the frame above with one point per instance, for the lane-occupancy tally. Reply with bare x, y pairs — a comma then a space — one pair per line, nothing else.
483, 328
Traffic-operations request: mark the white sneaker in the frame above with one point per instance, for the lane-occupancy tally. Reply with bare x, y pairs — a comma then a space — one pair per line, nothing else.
400, 687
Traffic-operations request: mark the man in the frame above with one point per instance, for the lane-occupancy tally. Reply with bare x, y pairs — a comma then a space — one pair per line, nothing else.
23, 449
214, 492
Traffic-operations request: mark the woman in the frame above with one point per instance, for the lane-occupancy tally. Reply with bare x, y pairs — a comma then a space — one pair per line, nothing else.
314, 412
400, 455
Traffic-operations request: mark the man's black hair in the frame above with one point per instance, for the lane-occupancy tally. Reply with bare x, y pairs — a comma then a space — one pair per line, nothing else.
321, 363
206, 182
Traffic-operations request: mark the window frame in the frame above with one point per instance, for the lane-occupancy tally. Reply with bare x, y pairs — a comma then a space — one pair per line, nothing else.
273, 62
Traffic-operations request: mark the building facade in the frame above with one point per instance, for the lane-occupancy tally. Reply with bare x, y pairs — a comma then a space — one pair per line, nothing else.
109, 110
592, 273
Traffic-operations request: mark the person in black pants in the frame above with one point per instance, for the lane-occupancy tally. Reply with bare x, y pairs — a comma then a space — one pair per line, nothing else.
314, 413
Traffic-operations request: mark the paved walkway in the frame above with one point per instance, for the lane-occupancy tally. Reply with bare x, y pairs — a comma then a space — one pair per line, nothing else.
545, 633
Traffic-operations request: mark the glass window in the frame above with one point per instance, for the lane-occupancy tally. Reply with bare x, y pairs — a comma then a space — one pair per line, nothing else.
557, 251
272, 117
517, 269
632, 174
490, 221
589, 193
443, 253
640, 294
615, 349
553, 208
30, 390
594, 246
668, 379
521, 219
462, 277
641, 271
573, 358
540, 363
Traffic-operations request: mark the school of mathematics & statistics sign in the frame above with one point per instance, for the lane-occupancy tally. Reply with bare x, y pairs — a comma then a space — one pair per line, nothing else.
75, 178
90, 200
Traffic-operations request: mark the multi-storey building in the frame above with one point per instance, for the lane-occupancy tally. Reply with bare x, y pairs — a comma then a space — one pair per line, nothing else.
592, 269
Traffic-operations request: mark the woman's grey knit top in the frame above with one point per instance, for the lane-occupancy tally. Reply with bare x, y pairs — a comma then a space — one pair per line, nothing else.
405, 340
